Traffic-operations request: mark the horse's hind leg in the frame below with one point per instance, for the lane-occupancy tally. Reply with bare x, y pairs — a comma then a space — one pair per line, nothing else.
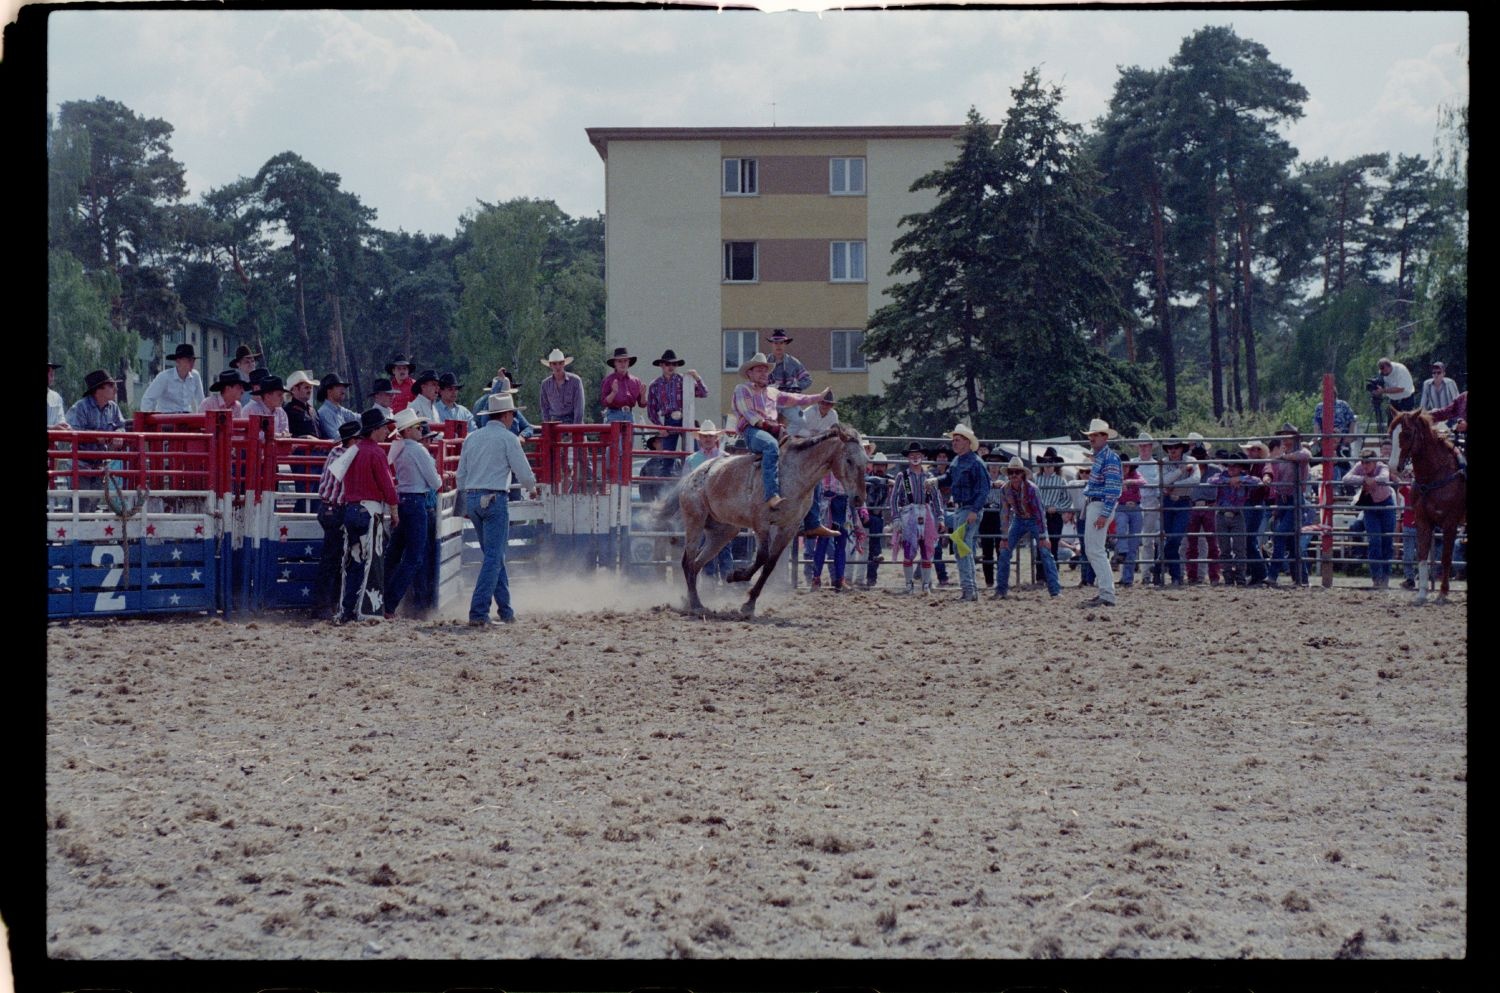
766, 559
1450, 539
1424, 567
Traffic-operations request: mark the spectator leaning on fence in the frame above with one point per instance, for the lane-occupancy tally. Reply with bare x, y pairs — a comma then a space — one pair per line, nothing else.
877, 492
1056, 499
1378, 501
447, 405
1256, 473
1101, 493
990, 532
270, 394
1290, 470
225, 393
1128, 521
1439, 391
1149, 468
1179, 476
562, 391
332, 414
1201, 517
177, 389
57, 414
1231, 492
664, 397
301, 419
620, 392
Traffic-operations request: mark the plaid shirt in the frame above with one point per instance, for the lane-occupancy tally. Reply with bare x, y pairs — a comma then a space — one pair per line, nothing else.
665, 395
1026, 503
330, 487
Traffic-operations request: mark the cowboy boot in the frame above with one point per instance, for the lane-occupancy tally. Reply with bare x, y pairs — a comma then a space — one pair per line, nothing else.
929, 579
910, 582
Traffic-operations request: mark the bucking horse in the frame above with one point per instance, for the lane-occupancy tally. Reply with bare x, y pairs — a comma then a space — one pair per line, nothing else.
723, 495
1440, 492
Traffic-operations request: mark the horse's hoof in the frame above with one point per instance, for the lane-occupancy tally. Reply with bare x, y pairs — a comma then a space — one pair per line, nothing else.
748, 610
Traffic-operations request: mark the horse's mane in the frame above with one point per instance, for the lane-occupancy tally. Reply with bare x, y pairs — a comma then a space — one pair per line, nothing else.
1425, 419
801, 444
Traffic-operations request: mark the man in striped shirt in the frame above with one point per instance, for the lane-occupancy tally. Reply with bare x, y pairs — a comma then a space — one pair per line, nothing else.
1101, 494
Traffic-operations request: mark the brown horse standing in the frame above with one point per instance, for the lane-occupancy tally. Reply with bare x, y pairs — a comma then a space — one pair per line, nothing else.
722, 496
1439, 489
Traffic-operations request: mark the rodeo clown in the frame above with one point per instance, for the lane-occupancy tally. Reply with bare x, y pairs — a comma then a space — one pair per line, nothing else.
915, 510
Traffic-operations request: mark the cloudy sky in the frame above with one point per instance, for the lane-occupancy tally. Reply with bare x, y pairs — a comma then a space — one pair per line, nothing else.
423, 113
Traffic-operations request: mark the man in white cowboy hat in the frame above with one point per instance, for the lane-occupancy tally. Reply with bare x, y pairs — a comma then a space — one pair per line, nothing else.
491, 458
708, 446
1022, 515
301, 418
417, 482
1148, 467
757, 407
621, 391
1100, 495
562, 392
664, 400
177, 389
968, 483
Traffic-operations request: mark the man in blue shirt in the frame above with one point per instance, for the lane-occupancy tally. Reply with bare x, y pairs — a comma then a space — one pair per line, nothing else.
1100, 496
490, 457
969, 484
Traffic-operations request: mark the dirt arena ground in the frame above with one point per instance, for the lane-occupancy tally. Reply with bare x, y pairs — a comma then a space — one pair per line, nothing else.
1202, 773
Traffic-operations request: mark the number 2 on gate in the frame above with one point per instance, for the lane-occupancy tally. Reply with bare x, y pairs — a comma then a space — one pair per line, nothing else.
107, 600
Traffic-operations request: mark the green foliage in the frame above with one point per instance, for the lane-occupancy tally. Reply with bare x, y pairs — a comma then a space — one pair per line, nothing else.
79, 334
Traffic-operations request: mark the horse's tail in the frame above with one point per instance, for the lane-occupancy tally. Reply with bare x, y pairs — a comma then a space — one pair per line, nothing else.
666, 511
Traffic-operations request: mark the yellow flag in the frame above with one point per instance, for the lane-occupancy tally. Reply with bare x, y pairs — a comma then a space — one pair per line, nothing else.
957, 534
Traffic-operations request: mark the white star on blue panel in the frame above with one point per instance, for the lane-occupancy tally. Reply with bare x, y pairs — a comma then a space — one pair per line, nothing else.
156, 577
306, 549
306, 591
174, 599
176, 553
286, 574
197, 575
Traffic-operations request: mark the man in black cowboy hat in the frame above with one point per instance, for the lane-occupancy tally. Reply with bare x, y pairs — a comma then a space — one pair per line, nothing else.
327, 589
225, 393
332, 414
96, 410
447, 405
664, 397
399, 369
788, 374
621, 391
424, 390
369, 492
245, 360
383, 395
178, 390
268, 395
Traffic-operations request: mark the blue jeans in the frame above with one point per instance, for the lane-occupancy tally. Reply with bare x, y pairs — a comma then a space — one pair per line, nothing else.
876, 528
1020, 526
1286, 537
759, 441
492, 524
1127, 539
1174, 514
838, 508
1255, 514
408, 548
965, 562
1380, 526
613, 414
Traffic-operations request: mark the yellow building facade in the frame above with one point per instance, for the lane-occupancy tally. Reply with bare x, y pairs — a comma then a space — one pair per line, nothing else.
716, 236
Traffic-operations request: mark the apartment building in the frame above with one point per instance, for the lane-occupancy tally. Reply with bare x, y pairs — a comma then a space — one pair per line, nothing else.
715, 236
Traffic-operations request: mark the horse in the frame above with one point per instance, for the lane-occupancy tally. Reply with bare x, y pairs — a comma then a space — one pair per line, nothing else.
1439, 489
725, 494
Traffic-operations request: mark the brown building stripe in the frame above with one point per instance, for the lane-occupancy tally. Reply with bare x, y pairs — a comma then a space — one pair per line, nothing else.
796, 260
795, 173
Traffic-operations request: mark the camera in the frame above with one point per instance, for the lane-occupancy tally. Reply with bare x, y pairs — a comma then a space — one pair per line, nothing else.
1375, 383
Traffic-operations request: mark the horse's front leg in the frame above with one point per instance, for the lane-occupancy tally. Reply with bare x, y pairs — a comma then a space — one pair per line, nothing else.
777, 539
1450, 539
690, 570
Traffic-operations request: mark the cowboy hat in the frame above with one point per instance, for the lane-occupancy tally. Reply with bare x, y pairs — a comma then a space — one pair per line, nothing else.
381, 386
880, 458
759, 358
184, 351
348, 430
372, 419
1172, 443
780, 335
327, 383
96, 380
965, 432
426, 376
229, 377
499, 403
668, 356
916, 446
706, 427
1289, 428
244, 352
622, 353
408, 418
299, 377
1097, 426
1015, 464
1255, 446
1049, 457
449, 381
556, 355
398, 359
268, 384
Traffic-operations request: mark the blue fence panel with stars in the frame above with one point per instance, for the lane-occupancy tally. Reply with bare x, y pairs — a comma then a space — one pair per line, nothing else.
130, 577
286, 565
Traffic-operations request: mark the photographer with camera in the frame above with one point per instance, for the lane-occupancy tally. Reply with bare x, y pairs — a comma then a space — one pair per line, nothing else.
1394, 384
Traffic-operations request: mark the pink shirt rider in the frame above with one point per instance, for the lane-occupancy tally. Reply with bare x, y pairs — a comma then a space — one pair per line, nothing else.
753, 407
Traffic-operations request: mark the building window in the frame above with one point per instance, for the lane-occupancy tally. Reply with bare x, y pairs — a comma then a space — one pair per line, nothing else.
738, 346
846, 177
741, 262
740, 178
846, 262
847, 350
